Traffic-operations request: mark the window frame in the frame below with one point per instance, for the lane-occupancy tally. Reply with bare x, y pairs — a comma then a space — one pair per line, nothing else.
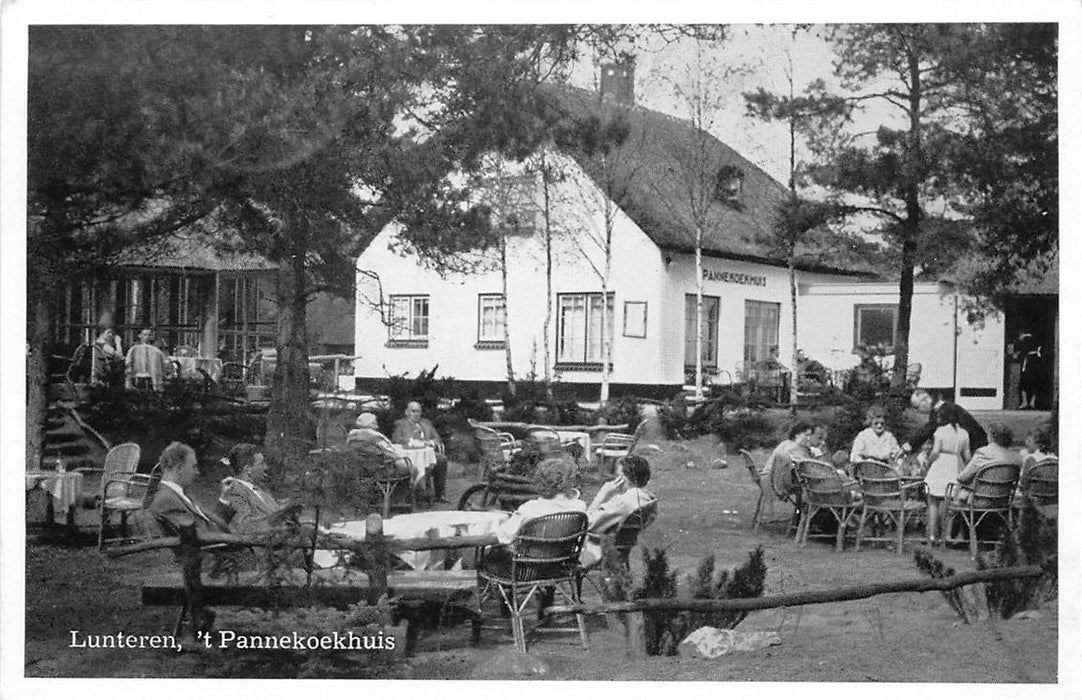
490, 343
689, 331
774, 305
857, 324
583, 363
402, 336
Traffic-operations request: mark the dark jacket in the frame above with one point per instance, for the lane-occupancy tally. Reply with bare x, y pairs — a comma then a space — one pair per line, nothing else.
405, 430
977, 436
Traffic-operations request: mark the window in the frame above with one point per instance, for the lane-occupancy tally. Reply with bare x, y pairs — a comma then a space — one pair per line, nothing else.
578, 326
491, 315
711, 306
761, 321
409, 321
875, 325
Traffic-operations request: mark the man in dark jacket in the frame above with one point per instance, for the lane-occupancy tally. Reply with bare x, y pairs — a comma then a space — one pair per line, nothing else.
927, 403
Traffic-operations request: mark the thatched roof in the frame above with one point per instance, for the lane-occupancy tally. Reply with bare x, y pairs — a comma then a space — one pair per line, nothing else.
191, 251
652, 164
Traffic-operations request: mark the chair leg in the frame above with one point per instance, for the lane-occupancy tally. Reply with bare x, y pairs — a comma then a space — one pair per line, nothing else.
839, 540
758, 511
386, 500
860, 527
899, 522
101, 529
972, 537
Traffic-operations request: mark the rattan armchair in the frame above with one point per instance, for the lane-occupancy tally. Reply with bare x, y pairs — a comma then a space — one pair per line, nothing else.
988, 494
886, 496
824, 489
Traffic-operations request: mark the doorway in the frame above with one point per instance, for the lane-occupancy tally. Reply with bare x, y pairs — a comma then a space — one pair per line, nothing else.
1037, 315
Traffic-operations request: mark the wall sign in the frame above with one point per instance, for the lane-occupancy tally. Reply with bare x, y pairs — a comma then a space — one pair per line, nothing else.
734, 277
635, 319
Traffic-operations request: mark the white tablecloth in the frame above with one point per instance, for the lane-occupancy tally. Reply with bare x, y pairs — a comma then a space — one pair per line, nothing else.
581, 438
64, 488
422, 458
437, 523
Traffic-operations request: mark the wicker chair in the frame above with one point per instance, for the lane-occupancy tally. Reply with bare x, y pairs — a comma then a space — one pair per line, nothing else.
496, 448
545, 555
824, 489
388, 480
122, 490
617, 445
764, 497
627, 532
1040, 485
990, 493
887, 496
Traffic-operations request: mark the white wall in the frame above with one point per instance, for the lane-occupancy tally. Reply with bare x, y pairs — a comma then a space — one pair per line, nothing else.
636, 275
826, 331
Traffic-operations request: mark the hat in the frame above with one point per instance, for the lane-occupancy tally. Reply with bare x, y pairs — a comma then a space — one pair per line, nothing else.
366, 420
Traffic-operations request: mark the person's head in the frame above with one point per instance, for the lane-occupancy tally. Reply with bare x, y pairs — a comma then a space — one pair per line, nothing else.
800, 355
840, 460
876, 419
367, 420
1039, 440
947, 415
1001, 434
146, 336
800, 432
922, 401
178, 464
106, 334
413, 410
552, 476
818, 435
247, 462
635, 469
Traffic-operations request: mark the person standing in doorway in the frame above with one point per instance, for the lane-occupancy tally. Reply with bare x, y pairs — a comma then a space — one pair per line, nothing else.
1028, 352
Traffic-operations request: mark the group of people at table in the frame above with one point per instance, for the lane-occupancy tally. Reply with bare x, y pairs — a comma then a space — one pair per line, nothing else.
144, 366
951, 447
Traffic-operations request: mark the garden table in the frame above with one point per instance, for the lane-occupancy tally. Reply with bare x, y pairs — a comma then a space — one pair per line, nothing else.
422, 458
64, 487
430, 524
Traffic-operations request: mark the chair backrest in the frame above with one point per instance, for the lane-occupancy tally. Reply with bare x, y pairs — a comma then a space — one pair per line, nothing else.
822, 484
879, 482
491, 447
1041, 482
120, 461
547, 547
752, 467
627, 532
543, 442
993, 485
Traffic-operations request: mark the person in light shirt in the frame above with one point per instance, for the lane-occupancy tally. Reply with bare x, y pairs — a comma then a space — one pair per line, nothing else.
875, 441
146, 367
413, 430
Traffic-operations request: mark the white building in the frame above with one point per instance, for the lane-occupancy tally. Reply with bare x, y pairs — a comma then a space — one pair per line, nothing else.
411, 317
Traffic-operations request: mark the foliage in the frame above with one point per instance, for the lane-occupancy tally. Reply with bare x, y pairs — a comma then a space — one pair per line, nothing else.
937, 569
666, 629
624, 410
339, 482
733, 418
534, 401
1033, 542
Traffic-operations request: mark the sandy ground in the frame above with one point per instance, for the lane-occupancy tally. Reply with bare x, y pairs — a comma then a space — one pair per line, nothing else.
908, 637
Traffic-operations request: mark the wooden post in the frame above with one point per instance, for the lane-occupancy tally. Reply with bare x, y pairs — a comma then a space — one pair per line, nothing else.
635, 635
378, 563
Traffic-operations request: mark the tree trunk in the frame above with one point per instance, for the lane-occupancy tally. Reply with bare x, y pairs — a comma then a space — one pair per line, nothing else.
548, 272
910, 227
606, 341
37, 379
794, 372
288, 422
506, 318
698, 311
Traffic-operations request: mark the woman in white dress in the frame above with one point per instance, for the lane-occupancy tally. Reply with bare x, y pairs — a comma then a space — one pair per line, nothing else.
950, 451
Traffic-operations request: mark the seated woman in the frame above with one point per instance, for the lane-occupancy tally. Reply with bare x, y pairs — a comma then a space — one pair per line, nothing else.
553, 481
998, 449
615, 500
778, 468
1038, 447
875, 441
367, 439
244, 503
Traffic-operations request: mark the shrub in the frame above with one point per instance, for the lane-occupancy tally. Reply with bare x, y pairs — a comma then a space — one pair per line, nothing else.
1033, 543
665, 629
622, 410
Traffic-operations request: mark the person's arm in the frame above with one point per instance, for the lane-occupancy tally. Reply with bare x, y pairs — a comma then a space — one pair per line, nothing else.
607, 490
859, 448
966, 454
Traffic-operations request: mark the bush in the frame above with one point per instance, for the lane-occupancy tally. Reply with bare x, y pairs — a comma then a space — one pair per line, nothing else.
736, 420
1033, 543
622, 410
665, 629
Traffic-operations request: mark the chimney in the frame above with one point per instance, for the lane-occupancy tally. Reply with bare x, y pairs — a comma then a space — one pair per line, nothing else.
618, 81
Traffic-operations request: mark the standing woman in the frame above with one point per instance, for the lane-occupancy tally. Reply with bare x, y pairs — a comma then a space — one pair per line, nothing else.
950, 450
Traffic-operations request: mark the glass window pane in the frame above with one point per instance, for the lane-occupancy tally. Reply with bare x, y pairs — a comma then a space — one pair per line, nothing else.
876, 326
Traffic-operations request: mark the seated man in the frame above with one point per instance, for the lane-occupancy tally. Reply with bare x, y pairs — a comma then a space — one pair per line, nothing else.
367, 439
245, 504
416, 431
998, 449
175, 510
